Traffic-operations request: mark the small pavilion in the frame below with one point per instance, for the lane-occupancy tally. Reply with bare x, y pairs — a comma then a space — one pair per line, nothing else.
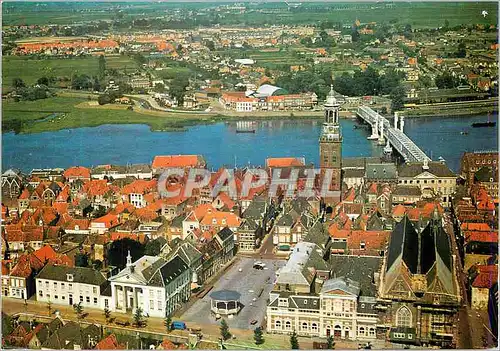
225, 302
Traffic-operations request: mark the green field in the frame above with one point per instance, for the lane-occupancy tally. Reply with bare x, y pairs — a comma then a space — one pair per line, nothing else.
418, 14
29, 70
70, 116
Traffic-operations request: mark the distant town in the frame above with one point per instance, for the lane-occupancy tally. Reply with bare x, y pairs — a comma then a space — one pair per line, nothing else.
389, 251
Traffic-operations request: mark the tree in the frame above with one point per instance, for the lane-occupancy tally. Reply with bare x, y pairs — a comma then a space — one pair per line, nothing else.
461, 51
397, 96
117, 253
210, 45
104, 99
445, 81
257, 335
18, 83
159, 88
138, 317
43, 81
102, 66
168, 323
224, 330
107, 314
49, 307
78, 308
294, 341
152, 248
330, 343
82, 259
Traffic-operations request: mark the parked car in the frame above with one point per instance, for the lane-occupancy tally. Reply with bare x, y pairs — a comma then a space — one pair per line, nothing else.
253, 322
178, 325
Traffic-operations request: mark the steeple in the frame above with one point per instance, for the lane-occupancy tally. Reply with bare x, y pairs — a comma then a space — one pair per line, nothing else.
129, 259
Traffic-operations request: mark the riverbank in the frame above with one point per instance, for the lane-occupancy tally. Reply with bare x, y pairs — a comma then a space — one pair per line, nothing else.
29, 117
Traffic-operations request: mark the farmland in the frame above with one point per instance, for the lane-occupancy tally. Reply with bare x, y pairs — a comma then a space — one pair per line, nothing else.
30, 69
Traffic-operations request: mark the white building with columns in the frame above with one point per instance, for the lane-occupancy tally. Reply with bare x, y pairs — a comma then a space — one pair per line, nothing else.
152, 283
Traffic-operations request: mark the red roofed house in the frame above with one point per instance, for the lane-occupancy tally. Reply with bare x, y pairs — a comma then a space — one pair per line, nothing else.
194, 218
215, 220
22, 281
74, 173
135, 191
485, 276
103, 224
177, 161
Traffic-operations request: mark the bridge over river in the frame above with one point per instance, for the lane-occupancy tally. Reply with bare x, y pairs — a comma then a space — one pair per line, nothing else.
391, 135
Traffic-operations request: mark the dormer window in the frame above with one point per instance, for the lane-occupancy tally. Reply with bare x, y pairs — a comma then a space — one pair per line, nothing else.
305, 302
77, 227
214, 221
69, 277
362, 245
223, 221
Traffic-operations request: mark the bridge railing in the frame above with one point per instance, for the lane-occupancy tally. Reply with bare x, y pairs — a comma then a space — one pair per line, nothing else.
400, 141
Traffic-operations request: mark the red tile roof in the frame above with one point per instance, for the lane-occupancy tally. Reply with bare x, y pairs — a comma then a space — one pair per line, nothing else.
487, 277
109, 220
140, 186
45, 253
483, 227
218, 218
172, 161
25, 266
77, 173
284, 162
484, 237
109, 343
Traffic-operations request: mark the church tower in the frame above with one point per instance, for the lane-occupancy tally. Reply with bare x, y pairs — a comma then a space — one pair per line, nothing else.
330, 143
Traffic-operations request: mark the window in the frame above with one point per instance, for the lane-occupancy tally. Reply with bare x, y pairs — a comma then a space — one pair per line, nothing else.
403, 317
305, 302
160, 306
70, 286
372, 332
410, 336
361, 331
62, 286
40, 293
56, 297
63, 297
81, 298
288, 325
95, 300
151, 304
304, 326
277, 324
314, 327
94, 290
87, 298
106, 303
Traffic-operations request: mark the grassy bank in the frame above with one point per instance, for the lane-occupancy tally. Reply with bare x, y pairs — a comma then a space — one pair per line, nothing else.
76, 112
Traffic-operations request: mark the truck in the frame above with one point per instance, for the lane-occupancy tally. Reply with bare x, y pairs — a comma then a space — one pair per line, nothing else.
178, 325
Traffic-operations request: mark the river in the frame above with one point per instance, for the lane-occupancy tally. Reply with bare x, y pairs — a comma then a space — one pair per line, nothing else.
221, 145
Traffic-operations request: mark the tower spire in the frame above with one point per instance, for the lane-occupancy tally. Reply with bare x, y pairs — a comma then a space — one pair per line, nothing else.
129, 259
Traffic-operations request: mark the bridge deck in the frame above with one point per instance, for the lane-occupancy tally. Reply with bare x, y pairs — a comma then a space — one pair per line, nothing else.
400, 141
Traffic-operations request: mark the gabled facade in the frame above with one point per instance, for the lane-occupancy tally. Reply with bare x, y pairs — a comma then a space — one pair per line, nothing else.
419, 279
156, 285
